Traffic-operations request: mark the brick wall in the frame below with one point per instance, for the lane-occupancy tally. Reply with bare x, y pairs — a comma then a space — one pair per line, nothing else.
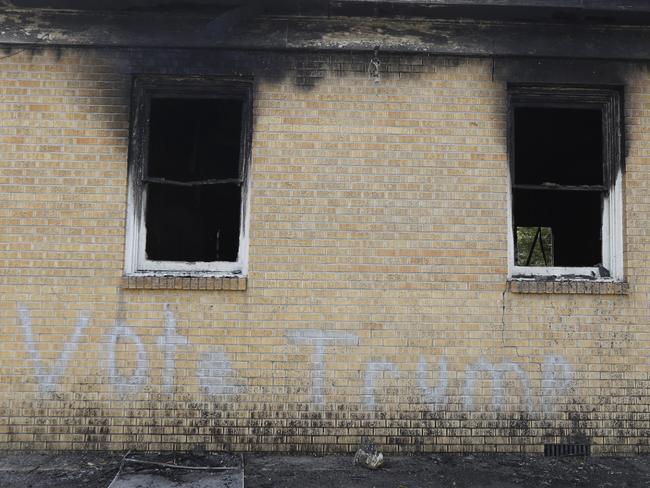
376, 305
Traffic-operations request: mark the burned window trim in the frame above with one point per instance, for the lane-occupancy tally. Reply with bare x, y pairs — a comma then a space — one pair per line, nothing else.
143, 89
609, 101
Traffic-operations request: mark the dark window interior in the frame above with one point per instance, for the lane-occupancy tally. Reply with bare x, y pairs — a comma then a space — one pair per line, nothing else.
194, 189
574, 219
557, 145
558, 184
194, 139
193, 224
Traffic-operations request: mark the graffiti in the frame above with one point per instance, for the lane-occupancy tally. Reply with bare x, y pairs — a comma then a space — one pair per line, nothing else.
217, 376
47, 382
168, 343
374, 370
557, 378
132, 383
436, 396
497, 374
320, 339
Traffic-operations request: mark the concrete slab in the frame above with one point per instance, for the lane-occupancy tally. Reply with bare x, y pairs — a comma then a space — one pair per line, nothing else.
180, 479
181, 470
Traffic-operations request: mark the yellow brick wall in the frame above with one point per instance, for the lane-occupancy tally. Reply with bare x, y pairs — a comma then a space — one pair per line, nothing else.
376, 306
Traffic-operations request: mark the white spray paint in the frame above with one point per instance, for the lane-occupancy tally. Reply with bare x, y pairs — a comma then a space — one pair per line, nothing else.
122, 383
509, 367
320, 339
168, 344
216, 376
374, 370
557, 377
497, 374
47, 382
438, 394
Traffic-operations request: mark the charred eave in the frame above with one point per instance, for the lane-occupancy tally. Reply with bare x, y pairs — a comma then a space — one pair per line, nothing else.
245, 28
301, 7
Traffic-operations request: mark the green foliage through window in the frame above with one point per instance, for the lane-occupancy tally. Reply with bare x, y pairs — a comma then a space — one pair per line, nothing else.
534, 246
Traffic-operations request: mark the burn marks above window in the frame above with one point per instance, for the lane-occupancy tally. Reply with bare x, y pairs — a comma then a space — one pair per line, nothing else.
565, 175
188, 175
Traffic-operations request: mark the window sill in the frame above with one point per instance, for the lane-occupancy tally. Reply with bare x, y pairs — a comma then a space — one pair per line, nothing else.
201, 283
564, 287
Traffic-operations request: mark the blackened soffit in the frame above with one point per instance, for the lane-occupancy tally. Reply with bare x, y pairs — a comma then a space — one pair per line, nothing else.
621, 12
298, 25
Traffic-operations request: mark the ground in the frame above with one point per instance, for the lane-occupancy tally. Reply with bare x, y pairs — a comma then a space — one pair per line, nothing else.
99, 469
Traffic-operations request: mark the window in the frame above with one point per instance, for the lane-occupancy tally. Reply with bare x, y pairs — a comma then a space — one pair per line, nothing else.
565, 173
190, 145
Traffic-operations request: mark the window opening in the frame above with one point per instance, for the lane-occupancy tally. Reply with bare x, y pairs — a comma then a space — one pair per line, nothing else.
559, 181
193, 180
564, 153
187, 192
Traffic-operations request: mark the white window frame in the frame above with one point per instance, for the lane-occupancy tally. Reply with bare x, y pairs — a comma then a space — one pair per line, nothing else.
608, 100
145, 88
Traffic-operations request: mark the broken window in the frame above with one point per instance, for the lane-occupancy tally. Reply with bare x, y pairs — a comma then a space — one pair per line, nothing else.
565, 175
187, 177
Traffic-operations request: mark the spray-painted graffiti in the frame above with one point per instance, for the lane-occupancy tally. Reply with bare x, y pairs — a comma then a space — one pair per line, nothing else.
497, 373
436, 396
130, 383
47, 382
557, 378
168, 344
374, 369
557, 375
320, 339
216, 375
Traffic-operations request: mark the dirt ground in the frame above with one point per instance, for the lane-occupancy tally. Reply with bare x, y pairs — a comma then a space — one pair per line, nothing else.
503, 471
97, 470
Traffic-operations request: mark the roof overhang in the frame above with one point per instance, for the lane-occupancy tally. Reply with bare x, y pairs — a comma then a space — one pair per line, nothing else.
592, 29
591, 11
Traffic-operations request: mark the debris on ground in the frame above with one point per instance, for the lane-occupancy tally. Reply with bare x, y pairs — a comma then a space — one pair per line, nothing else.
85, 469
97, 469
172, 470
370, 460
449, 471
369, 457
